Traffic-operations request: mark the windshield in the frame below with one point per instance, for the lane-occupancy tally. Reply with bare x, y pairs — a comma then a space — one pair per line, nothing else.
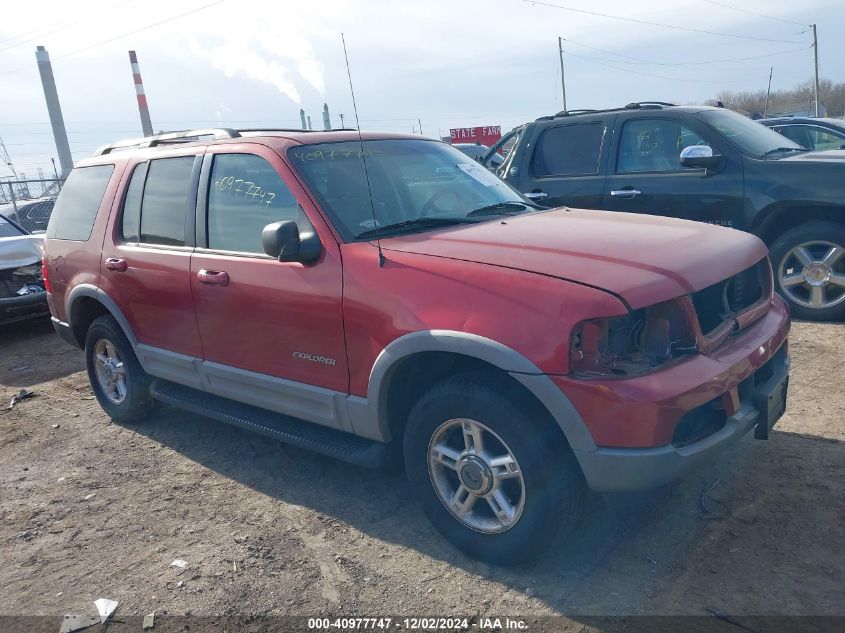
752, 138
7, 229
409, 180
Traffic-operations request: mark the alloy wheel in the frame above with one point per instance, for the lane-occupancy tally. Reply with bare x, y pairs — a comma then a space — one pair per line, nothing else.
476, 476
110, 371
812, 274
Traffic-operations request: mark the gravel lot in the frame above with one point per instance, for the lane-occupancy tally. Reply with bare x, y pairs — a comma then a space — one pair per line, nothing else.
268, 530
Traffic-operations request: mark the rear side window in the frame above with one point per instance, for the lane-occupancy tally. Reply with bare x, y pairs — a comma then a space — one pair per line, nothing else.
245, 195
569, 150
165, 201
76, 208
131, 223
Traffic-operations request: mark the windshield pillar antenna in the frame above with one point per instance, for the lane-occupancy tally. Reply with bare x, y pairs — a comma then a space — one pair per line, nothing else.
381, 258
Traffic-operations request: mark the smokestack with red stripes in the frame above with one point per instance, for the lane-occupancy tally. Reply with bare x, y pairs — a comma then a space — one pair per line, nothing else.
146, 126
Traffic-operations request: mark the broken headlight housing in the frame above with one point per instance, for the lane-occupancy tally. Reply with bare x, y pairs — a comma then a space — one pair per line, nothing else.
632, 345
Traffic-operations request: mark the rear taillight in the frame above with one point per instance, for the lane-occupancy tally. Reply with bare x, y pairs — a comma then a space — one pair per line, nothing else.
44, 276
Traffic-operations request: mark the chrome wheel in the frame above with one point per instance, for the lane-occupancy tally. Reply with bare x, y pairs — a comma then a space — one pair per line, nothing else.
110, 371
476, 476
812, 274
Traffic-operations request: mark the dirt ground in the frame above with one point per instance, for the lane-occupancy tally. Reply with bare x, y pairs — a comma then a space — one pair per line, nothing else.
91, 509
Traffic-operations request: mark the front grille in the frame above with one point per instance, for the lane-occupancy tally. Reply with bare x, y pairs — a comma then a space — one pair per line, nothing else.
716, 303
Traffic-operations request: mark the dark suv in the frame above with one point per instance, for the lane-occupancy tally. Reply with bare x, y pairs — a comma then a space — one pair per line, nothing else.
379, 295
697, 163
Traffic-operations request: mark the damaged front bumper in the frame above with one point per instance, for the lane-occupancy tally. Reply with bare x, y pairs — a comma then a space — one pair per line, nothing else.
653, 429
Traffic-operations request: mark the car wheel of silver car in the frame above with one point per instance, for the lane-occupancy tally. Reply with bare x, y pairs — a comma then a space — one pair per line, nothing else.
492, 471
120, 384
809, 270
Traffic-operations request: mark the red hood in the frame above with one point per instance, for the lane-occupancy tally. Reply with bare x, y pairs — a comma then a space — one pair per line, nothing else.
644, 259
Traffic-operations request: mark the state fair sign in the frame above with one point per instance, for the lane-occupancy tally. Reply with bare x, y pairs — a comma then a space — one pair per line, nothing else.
486, 135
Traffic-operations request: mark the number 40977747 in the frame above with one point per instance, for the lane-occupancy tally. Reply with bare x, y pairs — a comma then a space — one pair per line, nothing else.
240, 188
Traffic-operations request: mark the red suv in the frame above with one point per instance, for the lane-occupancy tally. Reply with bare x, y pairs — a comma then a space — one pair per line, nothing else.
363, 296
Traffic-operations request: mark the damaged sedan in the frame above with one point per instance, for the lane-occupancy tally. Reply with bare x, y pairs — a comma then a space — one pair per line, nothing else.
22, 293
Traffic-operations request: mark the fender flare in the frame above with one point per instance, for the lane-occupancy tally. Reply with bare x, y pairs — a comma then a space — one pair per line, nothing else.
90, 291
524, 371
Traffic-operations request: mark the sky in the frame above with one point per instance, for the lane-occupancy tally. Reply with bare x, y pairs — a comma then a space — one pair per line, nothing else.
438, 63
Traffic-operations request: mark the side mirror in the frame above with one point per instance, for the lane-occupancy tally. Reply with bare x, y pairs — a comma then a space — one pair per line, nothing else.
699, 156
283, 241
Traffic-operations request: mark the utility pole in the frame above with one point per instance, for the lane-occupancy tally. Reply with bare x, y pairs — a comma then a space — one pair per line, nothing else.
562, 79
341, 120
420, 122
7, 160
768, 93
302, 118
816, 54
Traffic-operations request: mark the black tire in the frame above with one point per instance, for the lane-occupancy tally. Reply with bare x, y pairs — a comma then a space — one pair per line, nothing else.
553, 483
823, 233
137, 403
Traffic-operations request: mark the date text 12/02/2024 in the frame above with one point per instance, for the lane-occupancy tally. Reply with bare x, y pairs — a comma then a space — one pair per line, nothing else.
418, 624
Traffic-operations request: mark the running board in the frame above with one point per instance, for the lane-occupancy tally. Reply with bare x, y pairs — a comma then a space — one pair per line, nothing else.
313, 437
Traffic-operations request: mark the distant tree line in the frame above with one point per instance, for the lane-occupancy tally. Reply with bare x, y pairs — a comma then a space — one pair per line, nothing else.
796, 100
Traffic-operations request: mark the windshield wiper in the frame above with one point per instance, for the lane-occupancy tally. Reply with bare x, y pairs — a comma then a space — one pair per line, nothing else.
423, 222
785, 149
492, 209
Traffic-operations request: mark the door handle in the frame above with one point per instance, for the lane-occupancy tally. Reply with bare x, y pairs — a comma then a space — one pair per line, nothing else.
116, 264
213, 277
536, 195
626, 193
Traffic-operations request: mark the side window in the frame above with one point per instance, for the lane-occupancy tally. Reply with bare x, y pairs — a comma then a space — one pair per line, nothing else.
569, 150
76, 208
165, 201
824, 139
130, 227
797, 134
245, 195
648, 145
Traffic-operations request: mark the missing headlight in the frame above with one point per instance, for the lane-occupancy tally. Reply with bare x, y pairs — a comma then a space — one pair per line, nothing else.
632, 345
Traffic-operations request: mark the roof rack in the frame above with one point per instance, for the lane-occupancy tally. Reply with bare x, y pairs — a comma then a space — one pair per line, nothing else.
637, 105
573, 112
181, 136
648, 104
294, 129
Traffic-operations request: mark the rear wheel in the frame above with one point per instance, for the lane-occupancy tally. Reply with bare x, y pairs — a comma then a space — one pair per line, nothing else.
119, 383
809, 269
492, 472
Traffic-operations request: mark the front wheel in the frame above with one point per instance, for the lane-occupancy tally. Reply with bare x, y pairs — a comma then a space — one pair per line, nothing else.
809, 270
491, 471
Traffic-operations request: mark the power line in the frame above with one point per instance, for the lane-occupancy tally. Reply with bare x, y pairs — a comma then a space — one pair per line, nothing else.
637, 72
660, 24
127, 34
17, 37
686, 64
759, 15
56, 30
